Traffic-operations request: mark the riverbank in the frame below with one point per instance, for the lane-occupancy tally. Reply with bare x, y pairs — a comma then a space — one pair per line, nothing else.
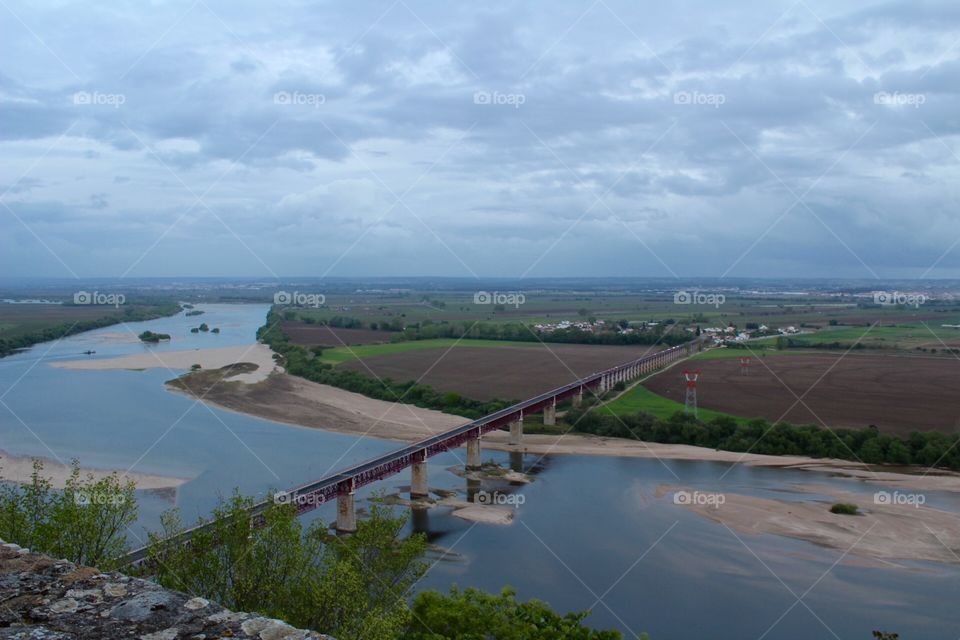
883, 530
214, 358
19, 469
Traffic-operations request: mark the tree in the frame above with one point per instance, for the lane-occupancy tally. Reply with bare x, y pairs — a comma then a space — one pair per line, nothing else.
351, 587
85, 523
475, 615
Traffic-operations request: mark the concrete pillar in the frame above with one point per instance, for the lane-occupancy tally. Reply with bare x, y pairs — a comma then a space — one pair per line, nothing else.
346, 513
473, 488
516, 461
516, 431
418, 480
473, 453
578, 399
550, 414
420, 520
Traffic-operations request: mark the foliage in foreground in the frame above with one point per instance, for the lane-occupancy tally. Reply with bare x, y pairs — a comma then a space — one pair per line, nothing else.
354, 587
928, 448
86, 522
476, 615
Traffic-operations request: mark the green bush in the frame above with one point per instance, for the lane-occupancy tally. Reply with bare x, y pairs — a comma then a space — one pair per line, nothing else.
845, 509
86, 522
476, 615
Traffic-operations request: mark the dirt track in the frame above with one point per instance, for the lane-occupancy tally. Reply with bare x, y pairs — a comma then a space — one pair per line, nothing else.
897, 394
509, 372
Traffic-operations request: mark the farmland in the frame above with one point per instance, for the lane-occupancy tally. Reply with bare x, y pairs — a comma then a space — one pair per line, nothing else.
897, 394
508, 371
325, 336
407, 335
812, 309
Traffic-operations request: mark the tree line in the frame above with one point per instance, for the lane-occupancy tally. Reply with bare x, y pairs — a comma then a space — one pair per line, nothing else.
868, 445
522, 332
130, 314
508, 331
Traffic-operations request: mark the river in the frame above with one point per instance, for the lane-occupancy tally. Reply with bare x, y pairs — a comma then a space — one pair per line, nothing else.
589, 534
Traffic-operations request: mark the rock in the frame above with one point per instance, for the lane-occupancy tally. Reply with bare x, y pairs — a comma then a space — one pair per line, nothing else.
166, 634
143, 605
67, 605
269, 629
44, 599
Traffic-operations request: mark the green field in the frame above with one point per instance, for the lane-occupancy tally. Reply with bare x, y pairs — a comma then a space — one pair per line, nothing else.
642, 399
902, 337
346, 354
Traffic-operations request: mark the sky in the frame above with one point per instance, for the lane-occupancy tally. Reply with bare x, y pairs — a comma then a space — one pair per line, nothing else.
524, 139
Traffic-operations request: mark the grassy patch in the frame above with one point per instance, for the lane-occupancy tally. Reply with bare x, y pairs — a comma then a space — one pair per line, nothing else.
642, 399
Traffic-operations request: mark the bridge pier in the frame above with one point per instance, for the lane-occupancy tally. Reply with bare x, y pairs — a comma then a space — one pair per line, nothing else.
346, 513
550, 414
578, 399
473, 453
516, 461
516, 431
418, 480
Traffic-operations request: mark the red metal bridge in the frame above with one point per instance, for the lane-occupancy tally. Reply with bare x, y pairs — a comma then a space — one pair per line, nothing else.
342, 484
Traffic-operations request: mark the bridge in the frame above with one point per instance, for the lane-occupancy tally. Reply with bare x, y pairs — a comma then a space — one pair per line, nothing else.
342, 485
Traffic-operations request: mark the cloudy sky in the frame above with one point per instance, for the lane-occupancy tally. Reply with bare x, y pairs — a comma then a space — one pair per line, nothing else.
742, 138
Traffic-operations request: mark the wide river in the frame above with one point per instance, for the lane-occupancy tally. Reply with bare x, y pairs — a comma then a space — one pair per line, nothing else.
590, 533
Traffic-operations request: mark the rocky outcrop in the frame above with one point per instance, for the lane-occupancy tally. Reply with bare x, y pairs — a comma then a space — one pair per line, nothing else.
46, 599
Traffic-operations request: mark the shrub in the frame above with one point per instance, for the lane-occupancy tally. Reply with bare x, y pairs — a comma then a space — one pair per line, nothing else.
845, 509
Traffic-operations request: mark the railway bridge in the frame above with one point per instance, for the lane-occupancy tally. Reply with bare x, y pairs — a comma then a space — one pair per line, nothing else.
342, 485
